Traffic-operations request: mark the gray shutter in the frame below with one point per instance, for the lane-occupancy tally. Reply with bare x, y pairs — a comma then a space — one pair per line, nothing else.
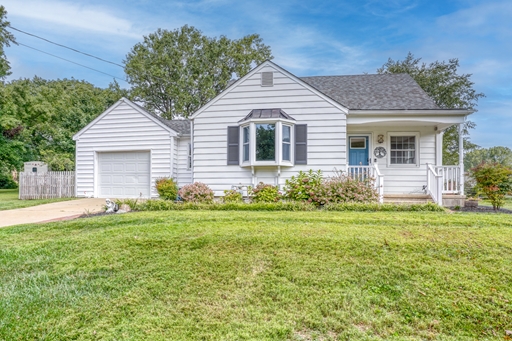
233, 145
301, 144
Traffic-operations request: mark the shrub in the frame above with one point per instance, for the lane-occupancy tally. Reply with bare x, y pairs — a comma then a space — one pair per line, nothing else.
6, 182
304, 186
232, 195
265, 193
341, 188
196, 192
494, 180
166, 188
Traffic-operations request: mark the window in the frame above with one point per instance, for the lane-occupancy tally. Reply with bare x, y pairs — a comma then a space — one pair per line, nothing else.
246, 140
287, 143
357, 143
403, 150
265, 142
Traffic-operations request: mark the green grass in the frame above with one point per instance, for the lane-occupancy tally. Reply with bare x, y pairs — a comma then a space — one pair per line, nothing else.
9, 200
214, 275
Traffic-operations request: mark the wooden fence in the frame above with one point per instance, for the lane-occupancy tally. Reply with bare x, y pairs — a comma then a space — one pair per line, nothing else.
47, 185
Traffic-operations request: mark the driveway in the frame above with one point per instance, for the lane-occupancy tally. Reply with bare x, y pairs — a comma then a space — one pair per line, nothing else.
63, 210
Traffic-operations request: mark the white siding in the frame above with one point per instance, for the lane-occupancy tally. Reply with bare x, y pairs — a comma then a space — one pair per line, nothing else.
122, 129
326, 131
184, 174
403, 179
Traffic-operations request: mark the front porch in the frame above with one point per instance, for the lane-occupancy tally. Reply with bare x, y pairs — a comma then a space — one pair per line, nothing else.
444, 185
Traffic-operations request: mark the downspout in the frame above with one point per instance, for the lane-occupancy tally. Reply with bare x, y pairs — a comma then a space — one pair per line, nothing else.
461, 161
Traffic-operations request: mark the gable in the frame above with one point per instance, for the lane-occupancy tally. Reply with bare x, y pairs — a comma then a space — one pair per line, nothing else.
250, 93
121, 110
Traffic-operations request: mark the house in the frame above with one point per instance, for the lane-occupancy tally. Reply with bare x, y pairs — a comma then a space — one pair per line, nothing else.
269, 125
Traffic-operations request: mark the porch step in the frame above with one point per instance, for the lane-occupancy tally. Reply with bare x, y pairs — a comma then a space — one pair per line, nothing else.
407, 199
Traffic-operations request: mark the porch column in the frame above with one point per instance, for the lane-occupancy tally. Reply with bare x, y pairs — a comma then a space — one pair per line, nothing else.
461, 160
439, 148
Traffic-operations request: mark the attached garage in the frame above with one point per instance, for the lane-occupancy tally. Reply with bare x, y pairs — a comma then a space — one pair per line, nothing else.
124, 174
124, 150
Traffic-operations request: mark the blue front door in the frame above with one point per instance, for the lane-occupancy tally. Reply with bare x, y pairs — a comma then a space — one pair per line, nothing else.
358, 151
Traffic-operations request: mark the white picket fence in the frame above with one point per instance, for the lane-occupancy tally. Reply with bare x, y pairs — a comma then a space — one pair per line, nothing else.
47, 185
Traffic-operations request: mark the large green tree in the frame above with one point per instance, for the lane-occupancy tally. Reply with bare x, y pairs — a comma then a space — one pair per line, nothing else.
450, 90
39, 117
494, 155
6, 38
173, 73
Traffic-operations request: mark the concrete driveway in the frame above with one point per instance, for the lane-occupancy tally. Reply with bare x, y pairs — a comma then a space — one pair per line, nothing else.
63, 210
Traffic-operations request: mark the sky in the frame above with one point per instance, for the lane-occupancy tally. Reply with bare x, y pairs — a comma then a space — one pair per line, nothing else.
307, 38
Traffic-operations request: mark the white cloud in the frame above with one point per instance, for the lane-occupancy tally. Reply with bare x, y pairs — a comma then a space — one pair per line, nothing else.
80, 17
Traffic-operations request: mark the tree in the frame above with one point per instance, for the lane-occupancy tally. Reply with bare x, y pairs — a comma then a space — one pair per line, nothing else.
5, 39
174, 73
39, 118
499, 155
448, 89
494, 181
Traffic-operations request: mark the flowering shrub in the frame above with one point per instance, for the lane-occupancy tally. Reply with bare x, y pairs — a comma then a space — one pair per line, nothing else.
196, 192
494, 180
167, 188
304, 186
265, 193
232, 195
342, 188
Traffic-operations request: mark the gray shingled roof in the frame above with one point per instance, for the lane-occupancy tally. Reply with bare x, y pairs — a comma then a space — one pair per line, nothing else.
180, 126
373, 92
267, 113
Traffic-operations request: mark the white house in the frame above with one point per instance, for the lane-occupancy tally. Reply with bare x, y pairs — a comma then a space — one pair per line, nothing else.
269, 125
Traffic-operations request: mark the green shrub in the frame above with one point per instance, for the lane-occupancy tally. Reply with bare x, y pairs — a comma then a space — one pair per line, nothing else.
232, 195
6, 182
265, 193
196, 192
167, 188
494, 180
341, 188
376, 207
304, 186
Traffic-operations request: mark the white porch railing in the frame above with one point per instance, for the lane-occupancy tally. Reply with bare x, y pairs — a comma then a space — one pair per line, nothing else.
435, 184
363, 173
451, 178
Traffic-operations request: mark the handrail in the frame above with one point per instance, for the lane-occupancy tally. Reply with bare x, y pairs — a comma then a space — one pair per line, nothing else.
435, 184
451, 178
379, 182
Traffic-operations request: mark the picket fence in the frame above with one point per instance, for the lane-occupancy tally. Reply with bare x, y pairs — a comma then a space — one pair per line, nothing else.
47, 185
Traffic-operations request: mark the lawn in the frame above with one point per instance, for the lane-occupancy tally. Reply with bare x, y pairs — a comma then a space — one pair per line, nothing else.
214, 275
9, 200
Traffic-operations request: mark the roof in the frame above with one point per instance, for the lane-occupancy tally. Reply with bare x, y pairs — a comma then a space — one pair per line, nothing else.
182, 127
267, 113
374, 92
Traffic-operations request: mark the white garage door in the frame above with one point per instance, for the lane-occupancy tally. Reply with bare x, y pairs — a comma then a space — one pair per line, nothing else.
124, 174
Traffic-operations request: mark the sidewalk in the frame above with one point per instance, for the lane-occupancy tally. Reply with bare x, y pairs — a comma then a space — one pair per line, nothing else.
64, 210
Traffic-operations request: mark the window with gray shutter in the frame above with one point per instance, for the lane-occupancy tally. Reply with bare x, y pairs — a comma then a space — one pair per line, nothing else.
301, 144
233, 145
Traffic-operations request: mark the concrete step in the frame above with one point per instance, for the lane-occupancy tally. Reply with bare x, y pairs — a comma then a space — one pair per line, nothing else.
407, 199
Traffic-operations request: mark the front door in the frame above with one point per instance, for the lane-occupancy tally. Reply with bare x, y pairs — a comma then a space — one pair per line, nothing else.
358, 151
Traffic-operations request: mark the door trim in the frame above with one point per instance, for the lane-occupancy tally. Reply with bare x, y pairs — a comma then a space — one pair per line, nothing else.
370, 146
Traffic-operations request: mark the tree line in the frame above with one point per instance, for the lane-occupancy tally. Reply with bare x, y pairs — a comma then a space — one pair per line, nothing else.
172, 74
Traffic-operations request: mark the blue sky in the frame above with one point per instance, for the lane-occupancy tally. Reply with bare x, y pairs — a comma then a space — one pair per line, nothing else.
307, 38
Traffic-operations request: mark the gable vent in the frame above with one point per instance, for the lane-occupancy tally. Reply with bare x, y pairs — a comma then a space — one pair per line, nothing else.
267, 79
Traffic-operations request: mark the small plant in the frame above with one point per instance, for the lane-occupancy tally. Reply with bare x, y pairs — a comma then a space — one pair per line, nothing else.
167, 188
304, 186
265, 193
232, 195
494, 180
197, 193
